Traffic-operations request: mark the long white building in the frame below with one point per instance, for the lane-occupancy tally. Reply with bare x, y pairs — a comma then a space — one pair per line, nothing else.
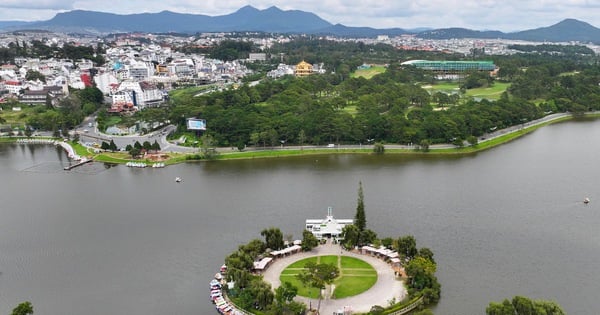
328, 227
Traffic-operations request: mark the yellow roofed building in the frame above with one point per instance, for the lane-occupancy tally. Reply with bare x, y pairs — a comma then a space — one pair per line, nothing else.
303, 69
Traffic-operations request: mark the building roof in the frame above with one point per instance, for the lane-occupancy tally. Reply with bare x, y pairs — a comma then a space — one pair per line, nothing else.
452, 65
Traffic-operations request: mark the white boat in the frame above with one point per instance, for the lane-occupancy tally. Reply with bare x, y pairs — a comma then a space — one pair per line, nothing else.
586, 200
177, 179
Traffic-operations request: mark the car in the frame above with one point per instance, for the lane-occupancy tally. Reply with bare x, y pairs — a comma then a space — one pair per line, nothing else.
331, 145
85, 130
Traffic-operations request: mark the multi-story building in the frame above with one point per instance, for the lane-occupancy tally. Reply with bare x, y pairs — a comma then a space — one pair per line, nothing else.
303, 69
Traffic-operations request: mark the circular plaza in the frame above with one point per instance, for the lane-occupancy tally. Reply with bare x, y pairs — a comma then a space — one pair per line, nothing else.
387, 287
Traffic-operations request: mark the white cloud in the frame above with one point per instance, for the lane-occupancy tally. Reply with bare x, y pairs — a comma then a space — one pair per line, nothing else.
506, 15
37, 4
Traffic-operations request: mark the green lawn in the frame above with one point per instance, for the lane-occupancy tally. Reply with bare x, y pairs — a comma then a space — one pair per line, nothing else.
353, 285
18, 118
491, 93
351, 262
368, 73
301, 263
330, 260
356, 276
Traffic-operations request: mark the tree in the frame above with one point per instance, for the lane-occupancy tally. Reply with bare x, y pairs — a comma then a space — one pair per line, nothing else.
208, 147
112, 146
521, 305
472, 140
426, 253
309, 241
33, 75
24, 308
147, 146
273, 238
351, 236
424, 144
155, 146
28, 132
317, 276
285, 293
135, 152
504, 308
360, 219
378, 148
301, 138
407, 246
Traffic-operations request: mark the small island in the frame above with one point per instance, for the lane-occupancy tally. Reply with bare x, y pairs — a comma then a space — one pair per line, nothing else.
345, 270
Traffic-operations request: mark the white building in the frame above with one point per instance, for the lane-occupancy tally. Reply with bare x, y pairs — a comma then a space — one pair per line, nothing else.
105, 81
328, 227
142, 94
139, 71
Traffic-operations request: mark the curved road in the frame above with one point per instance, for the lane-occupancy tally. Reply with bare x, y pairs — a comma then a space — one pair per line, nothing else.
386, 288
91, 134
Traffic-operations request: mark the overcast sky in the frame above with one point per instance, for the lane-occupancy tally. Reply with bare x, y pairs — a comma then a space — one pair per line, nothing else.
503, 15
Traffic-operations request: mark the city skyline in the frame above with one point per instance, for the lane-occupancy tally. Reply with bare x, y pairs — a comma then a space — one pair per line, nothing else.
507, 16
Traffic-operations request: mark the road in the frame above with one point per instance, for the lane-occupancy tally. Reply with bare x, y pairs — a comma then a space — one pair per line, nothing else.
89, 134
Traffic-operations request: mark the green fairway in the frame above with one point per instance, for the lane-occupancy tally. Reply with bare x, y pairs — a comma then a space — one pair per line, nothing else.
368, 73
356, 276
491, 93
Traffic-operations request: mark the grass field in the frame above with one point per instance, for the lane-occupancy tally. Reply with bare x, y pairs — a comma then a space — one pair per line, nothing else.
491, 93
17, 118
368, 73
356, 276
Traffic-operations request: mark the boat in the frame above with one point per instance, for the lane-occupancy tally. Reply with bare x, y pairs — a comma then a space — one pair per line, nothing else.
177, 179
586, 200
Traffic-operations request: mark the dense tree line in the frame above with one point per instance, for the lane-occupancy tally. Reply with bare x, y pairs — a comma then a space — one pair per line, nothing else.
230, 50
68, 113
250, 291
316, 110
521, 305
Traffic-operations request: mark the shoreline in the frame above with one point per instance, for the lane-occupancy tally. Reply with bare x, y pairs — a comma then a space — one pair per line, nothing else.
491, 140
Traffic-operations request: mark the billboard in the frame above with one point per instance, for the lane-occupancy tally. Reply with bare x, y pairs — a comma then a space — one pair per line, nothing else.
196, 124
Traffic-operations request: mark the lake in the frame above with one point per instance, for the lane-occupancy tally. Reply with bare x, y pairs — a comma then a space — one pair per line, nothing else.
116, 240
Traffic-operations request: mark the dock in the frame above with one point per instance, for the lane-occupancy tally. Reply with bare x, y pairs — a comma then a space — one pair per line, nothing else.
84, 161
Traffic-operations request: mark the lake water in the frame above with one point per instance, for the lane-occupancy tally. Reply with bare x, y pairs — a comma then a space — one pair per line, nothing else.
114, 240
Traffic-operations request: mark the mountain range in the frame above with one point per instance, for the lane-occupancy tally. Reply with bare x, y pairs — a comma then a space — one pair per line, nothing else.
275, 20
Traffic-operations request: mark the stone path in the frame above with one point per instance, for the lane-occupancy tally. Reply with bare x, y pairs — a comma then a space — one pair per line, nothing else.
385, 289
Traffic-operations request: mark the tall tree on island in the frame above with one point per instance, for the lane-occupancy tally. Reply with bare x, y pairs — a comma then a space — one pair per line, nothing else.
360, 219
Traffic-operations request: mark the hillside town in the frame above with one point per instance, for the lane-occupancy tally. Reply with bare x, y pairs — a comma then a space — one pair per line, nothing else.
140, 69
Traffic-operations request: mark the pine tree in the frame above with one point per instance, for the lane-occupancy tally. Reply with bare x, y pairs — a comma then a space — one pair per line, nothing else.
360, 220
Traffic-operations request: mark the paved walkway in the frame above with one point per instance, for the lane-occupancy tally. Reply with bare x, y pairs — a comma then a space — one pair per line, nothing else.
385, 289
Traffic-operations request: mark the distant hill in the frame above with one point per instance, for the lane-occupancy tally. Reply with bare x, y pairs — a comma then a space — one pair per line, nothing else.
275, 20
247, 18
455, 32
564, 31
14, 24
347, 31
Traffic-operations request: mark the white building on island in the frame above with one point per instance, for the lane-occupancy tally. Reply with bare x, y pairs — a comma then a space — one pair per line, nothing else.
328, 227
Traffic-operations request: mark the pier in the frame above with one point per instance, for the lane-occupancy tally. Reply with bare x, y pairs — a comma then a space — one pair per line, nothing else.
81, 162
